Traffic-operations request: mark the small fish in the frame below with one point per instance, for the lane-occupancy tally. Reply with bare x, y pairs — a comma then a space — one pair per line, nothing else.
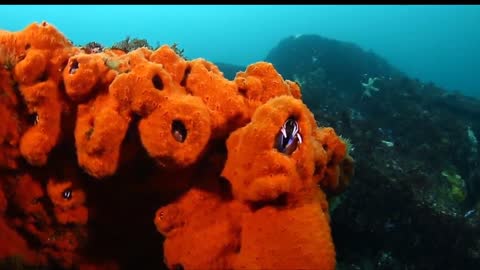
469, 213
289, 137
179, 131
67, 194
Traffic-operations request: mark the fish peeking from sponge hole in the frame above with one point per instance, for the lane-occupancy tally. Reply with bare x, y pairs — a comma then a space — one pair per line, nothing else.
289, 137
179, 131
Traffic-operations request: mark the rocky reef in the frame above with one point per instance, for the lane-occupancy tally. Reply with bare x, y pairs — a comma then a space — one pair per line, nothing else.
415, 199
139, 159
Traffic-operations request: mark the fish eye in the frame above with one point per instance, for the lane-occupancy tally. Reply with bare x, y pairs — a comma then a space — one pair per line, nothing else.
179, 131
288, 137
67, 194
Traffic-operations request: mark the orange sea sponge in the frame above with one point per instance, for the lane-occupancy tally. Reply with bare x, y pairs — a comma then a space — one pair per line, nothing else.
225, 104
15, 47
279, 137
103, 122
3, 202
191, 224
34, 222
171, 62
84, 73
142, 90
340, 165
28, 198
61, 248
232, 167
60, 235
286, 238
10, 129
177, 132
99, 132
68, 198
37, 54
13, 245
32, 67
271, 237
44, 103
281, 187
273, 215
261, 82
42, 36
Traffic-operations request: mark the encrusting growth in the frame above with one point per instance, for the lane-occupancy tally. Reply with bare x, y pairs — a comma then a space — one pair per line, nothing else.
242, 162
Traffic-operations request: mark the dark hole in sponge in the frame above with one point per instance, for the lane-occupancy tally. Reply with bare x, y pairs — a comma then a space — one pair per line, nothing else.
185, 76
74, 67
177, 266
157, 82
225, 188
64, 64
27, 46
21, 57
317, 170
330, 162
179, 131
32, 119
242, 91
279, 202
238, 248
43, 77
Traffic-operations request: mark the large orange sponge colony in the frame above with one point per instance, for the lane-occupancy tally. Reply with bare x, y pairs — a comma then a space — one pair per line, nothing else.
36, 56
233, 172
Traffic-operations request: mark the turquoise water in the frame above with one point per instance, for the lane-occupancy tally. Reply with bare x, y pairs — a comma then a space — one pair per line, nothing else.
432, 43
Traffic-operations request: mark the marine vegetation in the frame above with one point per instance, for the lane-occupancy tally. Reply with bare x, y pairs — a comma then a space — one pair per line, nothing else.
178, 51
93, 47
415, 200
129, 44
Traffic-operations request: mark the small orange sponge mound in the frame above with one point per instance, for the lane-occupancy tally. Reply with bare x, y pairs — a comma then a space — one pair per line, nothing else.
176, 133
272, 161
286, 238
262, 164
234, 173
